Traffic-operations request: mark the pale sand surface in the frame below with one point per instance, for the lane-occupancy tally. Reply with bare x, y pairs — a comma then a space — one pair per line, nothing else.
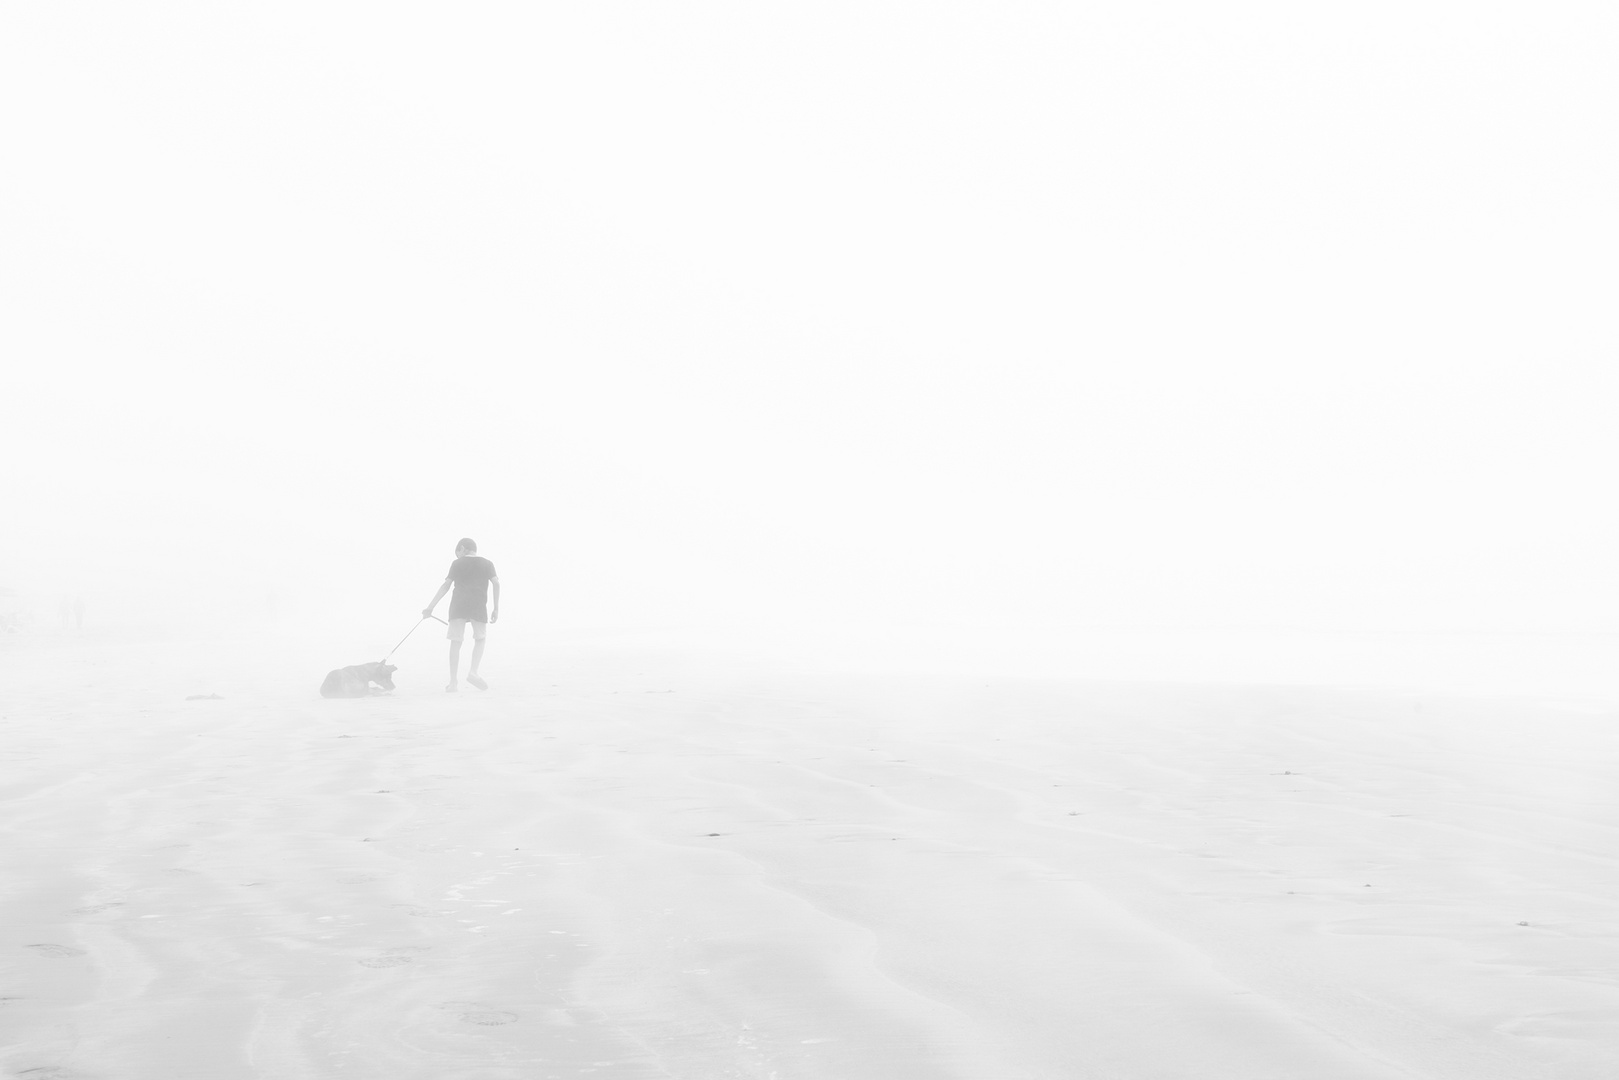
627, 863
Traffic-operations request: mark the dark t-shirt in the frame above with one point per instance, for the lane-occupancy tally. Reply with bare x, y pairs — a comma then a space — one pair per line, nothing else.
471, 597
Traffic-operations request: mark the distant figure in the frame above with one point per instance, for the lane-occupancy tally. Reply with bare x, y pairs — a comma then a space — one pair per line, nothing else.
64, 611
78, 613
471, 575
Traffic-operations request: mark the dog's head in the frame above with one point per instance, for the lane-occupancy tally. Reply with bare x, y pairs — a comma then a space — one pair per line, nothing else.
382, 675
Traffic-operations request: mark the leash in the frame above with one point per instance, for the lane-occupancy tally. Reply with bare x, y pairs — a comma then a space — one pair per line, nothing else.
411, 631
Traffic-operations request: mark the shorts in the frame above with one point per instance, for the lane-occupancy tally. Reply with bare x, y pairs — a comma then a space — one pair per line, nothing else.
458, 630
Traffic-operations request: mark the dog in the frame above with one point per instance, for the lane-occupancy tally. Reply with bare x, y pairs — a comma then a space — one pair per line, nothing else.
356, 681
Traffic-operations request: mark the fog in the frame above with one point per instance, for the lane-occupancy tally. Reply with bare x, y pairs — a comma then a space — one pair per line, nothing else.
1002, 320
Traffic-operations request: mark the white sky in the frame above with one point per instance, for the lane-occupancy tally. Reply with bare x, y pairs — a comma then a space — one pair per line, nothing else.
976, 312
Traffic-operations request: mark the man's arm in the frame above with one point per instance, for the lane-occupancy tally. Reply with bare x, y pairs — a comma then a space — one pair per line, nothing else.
427, 612
494, 612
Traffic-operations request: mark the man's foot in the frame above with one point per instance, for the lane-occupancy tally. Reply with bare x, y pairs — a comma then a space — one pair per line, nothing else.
452, 688
476, 681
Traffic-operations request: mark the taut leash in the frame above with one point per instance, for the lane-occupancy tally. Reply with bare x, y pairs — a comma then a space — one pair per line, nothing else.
411, 631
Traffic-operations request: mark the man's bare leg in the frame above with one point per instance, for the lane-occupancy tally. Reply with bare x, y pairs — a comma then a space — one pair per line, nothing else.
472, 669
455, 665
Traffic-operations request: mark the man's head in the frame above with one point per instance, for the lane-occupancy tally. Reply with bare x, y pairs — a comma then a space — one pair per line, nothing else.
465, 546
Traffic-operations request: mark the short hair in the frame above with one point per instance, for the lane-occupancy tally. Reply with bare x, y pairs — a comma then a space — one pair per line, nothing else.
468, 543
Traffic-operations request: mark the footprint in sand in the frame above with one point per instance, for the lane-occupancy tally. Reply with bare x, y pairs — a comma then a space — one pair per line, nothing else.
394, 957
488, 1019
56, 952
422, 912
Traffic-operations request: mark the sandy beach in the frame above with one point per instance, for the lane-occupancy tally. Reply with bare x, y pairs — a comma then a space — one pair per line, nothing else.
1041, 541
631, 862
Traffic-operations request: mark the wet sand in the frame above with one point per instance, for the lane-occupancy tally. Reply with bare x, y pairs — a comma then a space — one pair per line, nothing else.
623, 862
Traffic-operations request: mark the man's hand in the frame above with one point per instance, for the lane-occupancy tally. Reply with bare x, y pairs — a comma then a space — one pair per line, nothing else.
494, 616
427, 613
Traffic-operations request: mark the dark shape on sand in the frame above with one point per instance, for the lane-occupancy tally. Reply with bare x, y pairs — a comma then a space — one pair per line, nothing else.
55, 952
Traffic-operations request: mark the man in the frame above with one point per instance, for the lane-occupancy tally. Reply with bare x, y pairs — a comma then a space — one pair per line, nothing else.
471, 576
